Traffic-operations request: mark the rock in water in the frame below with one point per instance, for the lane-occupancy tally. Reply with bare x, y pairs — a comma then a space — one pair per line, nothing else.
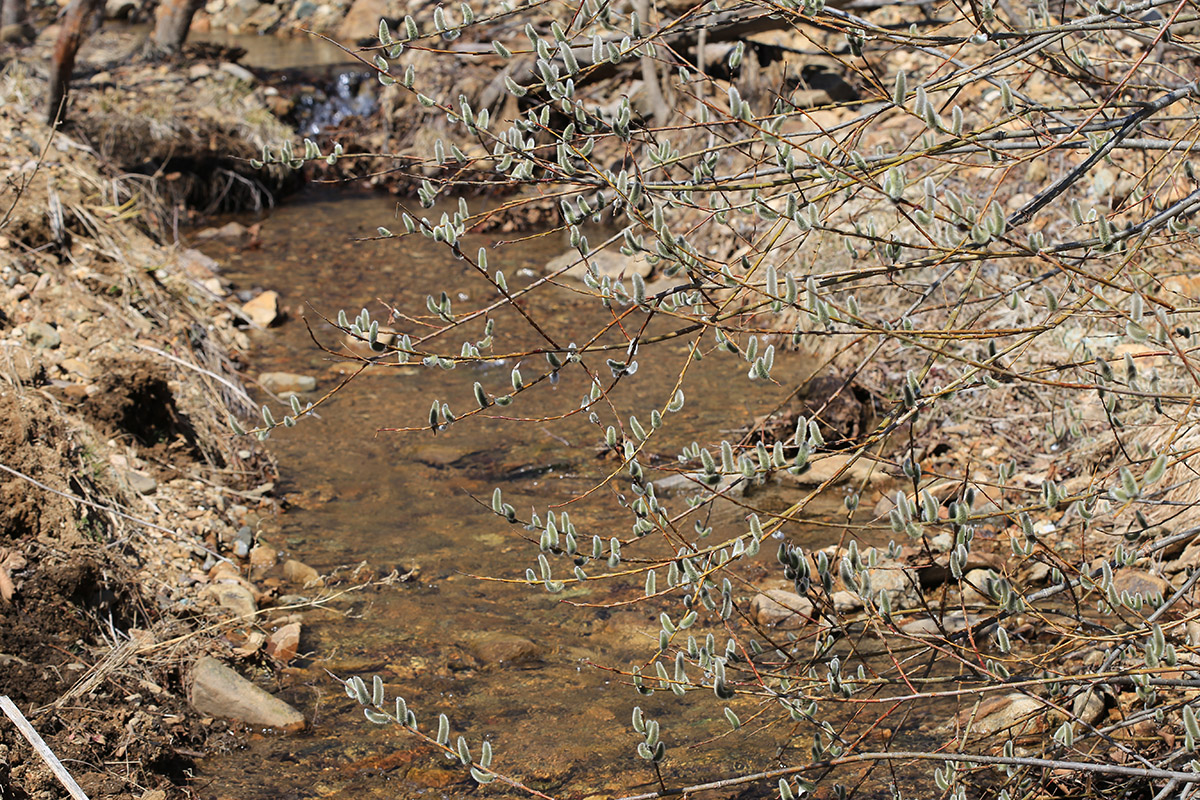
285, 382
263, 310
218, 691
493, 649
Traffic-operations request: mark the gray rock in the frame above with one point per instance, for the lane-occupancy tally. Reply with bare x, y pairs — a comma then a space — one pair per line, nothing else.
142, 484
282, 382
43, 335
781, 609
218, 691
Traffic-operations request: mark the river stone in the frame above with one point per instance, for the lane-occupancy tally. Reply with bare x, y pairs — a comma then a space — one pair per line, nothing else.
781, 609
218, 691
1139, 581
43, 335
607, 263
1014, 714
975, 586
494, 649
263, 310
284, 382
897, 580
300, 573
283, 644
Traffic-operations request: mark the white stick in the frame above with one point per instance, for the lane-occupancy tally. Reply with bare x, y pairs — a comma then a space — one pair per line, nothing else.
14, 713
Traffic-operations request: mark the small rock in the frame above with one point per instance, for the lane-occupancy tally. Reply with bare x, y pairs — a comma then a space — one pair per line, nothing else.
263, 557
234, 596
282, 382
283, 644
504, 648
300, 573
975, 586
781, 609
142, 484
218, 691
239, 72
43, 335
263, 310
230, 230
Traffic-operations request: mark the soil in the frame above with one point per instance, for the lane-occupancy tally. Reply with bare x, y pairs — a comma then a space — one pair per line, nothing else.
121, 483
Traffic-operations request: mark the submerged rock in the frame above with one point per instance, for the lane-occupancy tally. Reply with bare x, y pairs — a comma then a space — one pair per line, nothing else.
504, 648
218, 691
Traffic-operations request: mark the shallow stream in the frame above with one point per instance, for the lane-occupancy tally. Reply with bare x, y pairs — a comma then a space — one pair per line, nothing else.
398, 501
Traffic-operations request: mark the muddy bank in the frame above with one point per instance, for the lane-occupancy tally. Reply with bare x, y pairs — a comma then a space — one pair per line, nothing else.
130, 515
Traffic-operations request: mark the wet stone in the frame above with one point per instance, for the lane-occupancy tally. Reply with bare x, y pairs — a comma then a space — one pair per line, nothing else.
495, 649
283, 382
263, 310
218, 691
283, 644
298, 572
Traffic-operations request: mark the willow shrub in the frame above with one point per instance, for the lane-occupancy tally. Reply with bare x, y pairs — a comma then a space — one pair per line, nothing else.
987, 226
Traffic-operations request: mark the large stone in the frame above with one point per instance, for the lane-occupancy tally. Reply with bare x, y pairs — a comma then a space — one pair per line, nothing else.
493, 649
263, 310
218, 691
283, 382
781, 609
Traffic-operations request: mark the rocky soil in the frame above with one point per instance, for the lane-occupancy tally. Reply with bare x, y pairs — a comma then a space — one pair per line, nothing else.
135, 558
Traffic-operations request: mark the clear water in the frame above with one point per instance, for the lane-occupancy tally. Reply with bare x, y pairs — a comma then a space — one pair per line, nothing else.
396, 500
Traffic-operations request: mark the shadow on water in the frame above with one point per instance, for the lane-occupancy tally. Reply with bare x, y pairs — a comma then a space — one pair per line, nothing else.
395, 500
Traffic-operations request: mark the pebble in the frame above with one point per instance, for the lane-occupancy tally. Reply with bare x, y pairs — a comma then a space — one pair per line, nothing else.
263, 557
218, 691
142, 484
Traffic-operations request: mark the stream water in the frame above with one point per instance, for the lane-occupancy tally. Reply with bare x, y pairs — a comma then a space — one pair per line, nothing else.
391, 500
